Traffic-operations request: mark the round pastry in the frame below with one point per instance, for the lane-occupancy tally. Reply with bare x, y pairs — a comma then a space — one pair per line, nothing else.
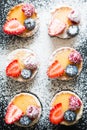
64, 22
66, 108
22, 20
23, 110
65, 63
22, 65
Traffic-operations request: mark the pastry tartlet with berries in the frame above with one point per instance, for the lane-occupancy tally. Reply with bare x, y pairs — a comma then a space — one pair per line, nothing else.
64, 64
64, 22
22, 65
23, 110
22, 20
66, 108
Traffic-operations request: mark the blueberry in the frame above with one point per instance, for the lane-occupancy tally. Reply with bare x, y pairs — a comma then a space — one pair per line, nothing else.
73, 30
26, 74
71, 70
69, 116
29, 24
25, 120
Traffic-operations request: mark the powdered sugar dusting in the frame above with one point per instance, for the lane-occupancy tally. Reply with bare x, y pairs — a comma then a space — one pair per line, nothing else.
43, 45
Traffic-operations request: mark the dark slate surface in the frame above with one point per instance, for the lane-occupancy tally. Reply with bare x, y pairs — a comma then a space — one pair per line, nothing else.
41, 85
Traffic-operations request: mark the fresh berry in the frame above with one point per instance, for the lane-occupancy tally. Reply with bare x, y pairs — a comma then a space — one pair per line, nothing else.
69, 116
56, 27
25, 120
28, 10
13, 69
29, 24
26, 74
33, 112
13, 114
71, 70
30, 63
13, 27
55, 70
74, 103
73, 30
56, 114
74, 16
75, 57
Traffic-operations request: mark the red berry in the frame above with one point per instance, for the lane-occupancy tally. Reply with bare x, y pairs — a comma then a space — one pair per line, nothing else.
55, 70
33, 112
74, 103
13, 69
28, 10
13, 27
13, 114
74, 16
56, 114
75, 57
56, 27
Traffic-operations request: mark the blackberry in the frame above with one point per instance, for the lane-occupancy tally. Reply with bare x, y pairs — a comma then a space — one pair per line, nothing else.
71, 70
69, 116
26, 74
29, 24
73, 30
25, 120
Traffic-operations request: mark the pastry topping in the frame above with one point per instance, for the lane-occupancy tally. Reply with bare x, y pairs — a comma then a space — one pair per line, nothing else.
33, 112
75, 57
13, 27
56, 114
26, 74
56, 27
73, 30
55, 70
74, 103
70, 116
25, 120
74, 16
30, 63
13, 69
71, 70
13, 114
28, 10
29, 24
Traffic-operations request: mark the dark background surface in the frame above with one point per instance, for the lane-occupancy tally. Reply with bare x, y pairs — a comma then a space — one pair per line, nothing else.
7, 86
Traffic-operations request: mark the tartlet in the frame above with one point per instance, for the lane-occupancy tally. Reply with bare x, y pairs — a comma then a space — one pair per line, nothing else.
23, 105
22, 65
64, 22
17, 13
65, 63
66, 108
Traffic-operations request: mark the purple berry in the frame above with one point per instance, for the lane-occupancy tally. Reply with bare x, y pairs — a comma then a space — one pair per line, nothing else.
33, 112
75, 57
28, 10
74, 103
31, 63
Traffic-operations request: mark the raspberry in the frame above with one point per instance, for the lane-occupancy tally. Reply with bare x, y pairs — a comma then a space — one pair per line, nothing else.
30, 63
74, 103
32, 112
75, 57
28, 10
